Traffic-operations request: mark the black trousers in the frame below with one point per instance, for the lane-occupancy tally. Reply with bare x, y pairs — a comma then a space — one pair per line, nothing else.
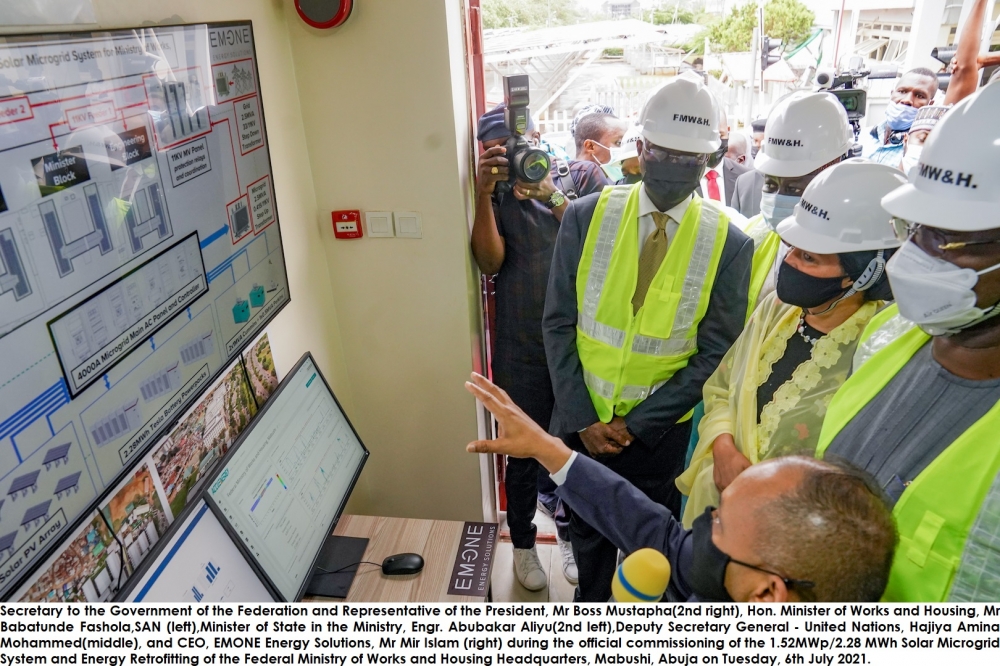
651, 469
531, 391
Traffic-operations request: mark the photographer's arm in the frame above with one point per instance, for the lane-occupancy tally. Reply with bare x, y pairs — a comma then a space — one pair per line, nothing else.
487, 243
964, 66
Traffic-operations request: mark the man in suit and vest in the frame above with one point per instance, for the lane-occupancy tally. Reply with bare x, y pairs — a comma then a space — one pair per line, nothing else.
647, 291
922, 414
805, 133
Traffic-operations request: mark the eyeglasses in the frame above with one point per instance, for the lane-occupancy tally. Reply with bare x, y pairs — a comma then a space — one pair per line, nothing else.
669, 156
906, 230
790, 583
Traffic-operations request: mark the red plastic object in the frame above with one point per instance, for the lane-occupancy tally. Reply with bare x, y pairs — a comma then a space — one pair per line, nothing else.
347, 224
339, 16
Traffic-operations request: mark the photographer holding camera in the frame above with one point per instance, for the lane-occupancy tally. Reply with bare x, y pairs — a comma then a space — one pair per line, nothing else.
513, 236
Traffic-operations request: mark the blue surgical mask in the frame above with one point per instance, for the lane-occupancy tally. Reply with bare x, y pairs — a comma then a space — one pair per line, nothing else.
776, 207
900, 116
613, 170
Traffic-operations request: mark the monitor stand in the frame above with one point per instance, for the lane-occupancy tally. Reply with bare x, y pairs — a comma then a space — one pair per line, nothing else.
337, 552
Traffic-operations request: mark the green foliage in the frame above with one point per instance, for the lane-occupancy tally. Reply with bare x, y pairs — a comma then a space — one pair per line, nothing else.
787, 20
665, 15
613, 52
528, 13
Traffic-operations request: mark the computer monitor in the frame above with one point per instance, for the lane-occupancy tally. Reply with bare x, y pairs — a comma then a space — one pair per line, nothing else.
200, 563
284, 484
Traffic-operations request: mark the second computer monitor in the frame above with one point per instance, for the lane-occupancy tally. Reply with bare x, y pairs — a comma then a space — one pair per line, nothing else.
287, 480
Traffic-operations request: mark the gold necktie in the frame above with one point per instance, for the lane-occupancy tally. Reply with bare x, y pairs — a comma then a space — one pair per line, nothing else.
650, 258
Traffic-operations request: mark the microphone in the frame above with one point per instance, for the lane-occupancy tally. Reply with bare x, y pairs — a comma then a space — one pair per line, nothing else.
642, 577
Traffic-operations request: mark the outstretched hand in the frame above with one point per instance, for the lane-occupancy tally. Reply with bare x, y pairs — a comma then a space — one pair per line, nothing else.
520, 437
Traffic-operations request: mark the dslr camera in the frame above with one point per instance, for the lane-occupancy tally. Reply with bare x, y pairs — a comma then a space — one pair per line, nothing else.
525, 162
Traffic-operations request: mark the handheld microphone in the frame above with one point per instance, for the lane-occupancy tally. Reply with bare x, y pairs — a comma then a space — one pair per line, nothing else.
642, 577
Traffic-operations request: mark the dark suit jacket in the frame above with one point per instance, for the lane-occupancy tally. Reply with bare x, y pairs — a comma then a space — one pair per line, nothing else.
745, 195
628, 519
722, 324
731, 171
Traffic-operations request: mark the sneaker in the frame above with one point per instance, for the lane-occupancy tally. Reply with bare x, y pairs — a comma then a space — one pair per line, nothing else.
544, 509
528, 569
568, 561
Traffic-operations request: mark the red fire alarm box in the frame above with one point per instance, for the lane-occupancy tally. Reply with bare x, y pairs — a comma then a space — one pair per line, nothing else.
347, 224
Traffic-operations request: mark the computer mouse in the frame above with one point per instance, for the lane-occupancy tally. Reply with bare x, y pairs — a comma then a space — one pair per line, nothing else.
402, 564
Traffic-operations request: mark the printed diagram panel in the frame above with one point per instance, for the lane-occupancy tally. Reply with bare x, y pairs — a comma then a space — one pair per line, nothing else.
100, 204
140, 253
99, 332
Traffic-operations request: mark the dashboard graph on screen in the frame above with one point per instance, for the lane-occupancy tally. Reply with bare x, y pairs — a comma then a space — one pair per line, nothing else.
289, 478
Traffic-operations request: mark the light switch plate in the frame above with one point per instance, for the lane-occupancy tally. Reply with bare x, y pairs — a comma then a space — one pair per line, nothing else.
407, 224
379, 224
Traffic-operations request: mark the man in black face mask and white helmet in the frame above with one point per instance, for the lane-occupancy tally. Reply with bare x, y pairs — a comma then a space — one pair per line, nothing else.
647, 291
922, 414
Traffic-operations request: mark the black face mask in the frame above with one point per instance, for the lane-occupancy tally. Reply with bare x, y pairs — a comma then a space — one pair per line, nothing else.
708, 563
754, 150
806, 291
669, 184
716, 158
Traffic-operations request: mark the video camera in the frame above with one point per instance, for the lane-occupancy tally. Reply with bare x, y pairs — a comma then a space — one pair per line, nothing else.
526, 163
844, 86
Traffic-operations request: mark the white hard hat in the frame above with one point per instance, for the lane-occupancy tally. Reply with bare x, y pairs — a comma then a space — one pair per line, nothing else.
956, 184
629, 147
840, 212
682, 115
804, 131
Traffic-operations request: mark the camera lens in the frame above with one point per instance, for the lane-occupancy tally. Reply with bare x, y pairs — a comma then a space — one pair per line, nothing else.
533, 165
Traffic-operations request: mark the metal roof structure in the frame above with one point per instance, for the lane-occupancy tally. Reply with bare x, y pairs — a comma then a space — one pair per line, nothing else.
552, 57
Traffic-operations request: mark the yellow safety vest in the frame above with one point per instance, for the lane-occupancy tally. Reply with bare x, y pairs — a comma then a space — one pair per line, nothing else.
626, 358
765, 250
937, 510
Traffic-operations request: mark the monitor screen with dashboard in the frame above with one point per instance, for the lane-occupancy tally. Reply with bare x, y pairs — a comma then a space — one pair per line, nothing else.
286, 481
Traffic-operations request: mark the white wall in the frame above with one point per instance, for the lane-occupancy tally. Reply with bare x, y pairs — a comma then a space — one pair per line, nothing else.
384, 107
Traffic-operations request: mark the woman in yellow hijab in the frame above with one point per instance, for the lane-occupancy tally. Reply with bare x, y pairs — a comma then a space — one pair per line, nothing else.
769, 395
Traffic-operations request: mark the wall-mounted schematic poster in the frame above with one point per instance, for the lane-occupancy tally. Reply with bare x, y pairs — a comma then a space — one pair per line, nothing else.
139, 254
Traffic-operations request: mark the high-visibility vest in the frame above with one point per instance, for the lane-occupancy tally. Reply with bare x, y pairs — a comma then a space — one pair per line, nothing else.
626, 358
883, 328
937, 510
766, 244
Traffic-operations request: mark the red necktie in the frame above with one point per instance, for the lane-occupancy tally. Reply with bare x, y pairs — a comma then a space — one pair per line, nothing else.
713, 186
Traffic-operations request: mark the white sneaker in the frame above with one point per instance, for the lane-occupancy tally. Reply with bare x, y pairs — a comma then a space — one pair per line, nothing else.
543, 509
568, 561
528, 569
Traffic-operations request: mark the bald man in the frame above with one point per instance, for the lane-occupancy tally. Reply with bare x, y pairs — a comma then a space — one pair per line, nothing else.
787, 529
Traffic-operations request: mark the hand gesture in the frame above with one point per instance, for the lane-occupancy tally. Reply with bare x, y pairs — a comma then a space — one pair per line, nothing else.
729, 462
520, 436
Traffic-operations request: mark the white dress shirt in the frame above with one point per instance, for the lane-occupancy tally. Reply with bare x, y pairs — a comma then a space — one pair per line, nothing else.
559, 477
648, 226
